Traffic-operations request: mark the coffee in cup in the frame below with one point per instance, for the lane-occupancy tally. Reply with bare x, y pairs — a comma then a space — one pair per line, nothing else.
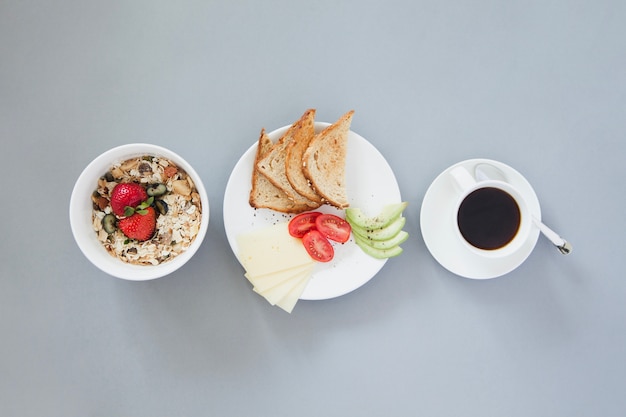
491, 217
488, 218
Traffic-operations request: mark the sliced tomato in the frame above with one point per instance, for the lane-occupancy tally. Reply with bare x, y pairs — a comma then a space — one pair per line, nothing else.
302, 223
317, 246
333, 227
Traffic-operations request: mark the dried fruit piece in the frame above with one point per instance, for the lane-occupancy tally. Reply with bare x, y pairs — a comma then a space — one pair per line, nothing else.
99, 201
170, 171
144, 168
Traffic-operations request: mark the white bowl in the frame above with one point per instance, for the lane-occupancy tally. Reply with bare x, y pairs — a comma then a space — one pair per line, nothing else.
81, 214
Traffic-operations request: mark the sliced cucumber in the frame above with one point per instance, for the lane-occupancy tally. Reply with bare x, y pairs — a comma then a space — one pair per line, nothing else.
396, 240
388, 214
375, 252
385, 233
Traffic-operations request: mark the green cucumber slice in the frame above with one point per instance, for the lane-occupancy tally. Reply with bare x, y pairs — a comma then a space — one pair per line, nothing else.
387, 215
385, 233
396, 240
377, 253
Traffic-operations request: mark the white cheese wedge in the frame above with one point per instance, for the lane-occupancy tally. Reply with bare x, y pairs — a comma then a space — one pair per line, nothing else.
288, 302
278, 292
271, 249
276, 264
265, 282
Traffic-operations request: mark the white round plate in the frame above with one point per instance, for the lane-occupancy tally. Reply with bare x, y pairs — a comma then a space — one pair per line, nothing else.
370, 185
438, 229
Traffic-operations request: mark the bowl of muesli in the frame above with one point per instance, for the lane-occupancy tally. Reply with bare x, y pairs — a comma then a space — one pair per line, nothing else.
139, 211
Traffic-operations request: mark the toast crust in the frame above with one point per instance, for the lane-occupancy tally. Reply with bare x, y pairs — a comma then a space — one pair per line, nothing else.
264, 194
272, 165
303, 135
324, 162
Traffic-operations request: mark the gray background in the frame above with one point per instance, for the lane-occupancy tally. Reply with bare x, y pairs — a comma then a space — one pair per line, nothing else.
540, 85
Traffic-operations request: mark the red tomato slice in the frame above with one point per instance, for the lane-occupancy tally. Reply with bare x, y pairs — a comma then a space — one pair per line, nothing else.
333, 227
302, 223
318, 247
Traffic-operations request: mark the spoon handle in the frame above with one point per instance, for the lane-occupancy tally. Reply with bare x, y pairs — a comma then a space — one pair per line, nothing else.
562, 245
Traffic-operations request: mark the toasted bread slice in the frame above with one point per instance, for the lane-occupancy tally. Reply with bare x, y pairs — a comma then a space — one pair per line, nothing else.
263, 193
302, 136
324, 162
272, 165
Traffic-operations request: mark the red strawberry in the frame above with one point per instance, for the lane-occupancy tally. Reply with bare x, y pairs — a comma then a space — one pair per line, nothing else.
127, 195
140, 225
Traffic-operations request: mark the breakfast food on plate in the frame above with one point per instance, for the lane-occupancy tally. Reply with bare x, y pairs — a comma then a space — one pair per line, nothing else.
379, 236
264, 194
308, 168
324, 162
273, 164
296, 175
146, 210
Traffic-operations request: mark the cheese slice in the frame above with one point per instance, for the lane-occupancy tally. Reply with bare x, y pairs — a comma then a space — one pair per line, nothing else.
288, 302
267, 281
278, 292
271, 249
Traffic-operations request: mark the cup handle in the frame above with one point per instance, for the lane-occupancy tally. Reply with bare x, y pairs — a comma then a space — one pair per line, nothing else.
485, 172
462, 178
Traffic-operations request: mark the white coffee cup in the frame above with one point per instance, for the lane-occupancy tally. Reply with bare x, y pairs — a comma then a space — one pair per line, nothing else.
491, 217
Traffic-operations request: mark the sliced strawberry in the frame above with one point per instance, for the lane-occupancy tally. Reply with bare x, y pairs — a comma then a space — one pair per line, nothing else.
127, 195
140, 225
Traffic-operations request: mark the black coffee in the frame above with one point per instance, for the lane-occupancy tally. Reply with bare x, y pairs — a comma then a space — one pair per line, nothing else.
488, 218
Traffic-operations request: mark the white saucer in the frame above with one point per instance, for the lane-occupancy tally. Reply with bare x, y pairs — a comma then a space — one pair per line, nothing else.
439, 234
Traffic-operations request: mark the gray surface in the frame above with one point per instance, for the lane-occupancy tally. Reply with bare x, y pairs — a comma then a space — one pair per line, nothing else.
540, 85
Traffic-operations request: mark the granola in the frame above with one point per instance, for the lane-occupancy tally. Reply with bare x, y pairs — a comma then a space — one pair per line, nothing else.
179, 208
